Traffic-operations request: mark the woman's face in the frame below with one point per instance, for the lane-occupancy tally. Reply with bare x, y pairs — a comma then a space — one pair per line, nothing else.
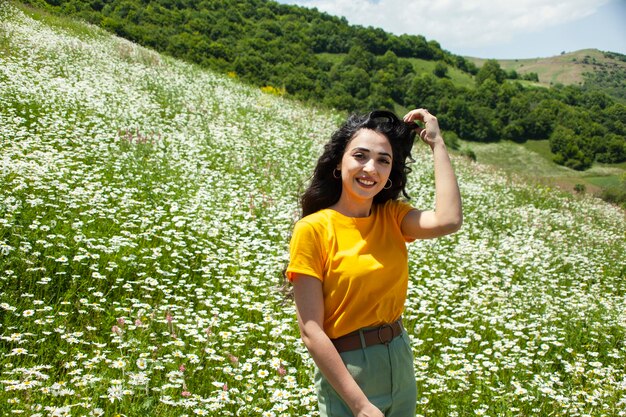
365, 165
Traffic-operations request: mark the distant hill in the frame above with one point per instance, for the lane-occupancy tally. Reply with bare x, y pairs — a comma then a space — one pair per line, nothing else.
589, 68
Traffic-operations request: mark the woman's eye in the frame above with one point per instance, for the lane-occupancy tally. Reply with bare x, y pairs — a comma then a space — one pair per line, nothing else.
385, 161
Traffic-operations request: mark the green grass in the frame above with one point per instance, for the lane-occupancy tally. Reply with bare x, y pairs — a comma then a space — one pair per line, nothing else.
605, 181
458, 77
145, 214
541, 147
332, 58
533, 160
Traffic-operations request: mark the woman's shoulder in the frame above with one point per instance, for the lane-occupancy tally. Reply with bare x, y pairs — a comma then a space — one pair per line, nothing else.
394, 210
319, 216
315, 226
319, 219
394, 206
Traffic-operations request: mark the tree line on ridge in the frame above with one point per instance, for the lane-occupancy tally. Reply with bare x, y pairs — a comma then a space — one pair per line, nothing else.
286, 49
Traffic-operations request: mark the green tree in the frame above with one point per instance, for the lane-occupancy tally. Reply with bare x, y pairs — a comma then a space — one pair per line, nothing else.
401, 45
423, 92
359, 57
487, 94
531, 76
564, 144
540, 120
614, 118
490, 70
465, 65
612, 149
471, 121
373, 40
440, 70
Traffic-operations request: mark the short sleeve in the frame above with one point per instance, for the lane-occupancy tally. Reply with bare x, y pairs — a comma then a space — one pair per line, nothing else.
305, 252
399, 209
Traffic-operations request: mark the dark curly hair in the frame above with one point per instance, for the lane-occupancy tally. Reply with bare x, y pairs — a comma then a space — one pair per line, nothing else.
325, 190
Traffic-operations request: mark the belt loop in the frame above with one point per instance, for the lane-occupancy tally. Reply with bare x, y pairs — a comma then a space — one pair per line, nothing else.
362, 339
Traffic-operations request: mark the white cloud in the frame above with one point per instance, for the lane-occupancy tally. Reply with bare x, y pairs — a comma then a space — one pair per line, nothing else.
459, 24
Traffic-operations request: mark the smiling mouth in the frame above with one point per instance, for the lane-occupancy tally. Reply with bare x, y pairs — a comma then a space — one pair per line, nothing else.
366, 183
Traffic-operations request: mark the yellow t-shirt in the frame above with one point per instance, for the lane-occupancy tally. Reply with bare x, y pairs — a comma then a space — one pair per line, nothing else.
361, 261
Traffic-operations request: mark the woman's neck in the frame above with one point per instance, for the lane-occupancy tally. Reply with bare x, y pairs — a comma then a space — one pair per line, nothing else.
353, 209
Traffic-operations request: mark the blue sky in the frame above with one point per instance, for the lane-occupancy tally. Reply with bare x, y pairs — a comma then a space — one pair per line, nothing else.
493, 28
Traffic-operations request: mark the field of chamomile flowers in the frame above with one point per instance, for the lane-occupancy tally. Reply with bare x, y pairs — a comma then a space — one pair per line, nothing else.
145, 212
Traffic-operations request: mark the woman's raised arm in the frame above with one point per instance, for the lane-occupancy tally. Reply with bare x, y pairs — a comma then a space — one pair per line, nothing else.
447, 216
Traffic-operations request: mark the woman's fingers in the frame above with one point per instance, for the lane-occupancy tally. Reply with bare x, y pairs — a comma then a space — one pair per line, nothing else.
430, 132
417, 114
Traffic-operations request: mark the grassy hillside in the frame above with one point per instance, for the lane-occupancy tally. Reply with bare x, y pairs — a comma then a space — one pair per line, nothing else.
533, 162
322, 60
567, 68
145, 211
458, 77
588, 68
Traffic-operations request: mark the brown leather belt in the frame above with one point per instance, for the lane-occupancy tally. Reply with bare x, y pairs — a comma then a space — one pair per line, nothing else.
382, 335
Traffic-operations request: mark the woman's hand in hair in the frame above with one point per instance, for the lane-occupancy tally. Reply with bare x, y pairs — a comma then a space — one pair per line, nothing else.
430, 133
448, 214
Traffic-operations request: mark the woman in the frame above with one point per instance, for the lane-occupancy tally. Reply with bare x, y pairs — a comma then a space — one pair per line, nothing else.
349, 264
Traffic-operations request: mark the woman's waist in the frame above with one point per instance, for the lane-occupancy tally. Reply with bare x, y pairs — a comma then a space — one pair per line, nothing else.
369, 336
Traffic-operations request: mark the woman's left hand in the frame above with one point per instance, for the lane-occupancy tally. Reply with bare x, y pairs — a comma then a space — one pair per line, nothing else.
430, 133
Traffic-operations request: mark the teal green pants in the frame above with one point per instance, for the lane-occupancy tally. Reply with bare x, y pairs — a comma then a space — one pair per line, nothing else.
386, 375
